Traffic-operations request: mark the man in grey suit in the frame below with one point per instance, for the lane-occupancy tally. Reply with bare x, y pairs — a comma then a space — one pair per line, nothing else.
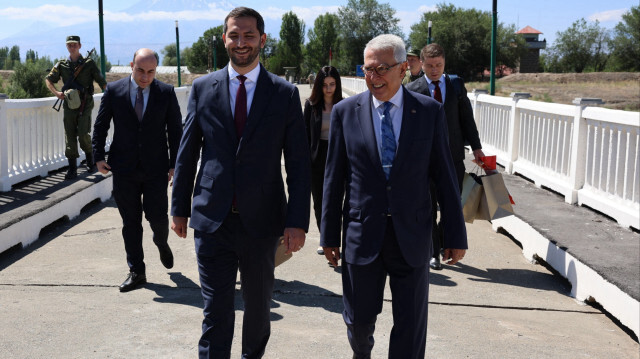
461, 126
242, 119
147, 126
385, 146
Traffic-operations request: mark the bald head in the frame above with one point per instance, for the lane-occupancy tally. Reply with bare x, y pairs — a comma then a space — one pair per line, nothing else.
143, 67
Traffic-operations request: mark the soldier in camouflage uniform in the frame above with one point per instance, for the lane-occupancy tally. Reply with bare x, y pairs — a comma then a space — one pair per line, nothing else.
77, 122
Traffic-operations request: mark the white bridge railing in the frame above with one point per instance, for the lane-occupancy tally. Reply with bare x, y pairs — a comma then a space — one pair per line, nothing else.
32, 137
590, 155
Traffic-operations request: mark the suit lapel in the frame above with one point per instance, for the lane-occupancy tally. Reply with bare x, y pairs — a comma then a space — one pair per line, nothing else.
365, 118
261, 99
221, 102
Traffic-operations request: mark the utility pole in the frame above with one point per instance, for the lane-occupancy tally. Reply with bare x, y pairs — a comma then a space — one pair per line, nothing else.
103, 62
429, 33
494, 30
178, 54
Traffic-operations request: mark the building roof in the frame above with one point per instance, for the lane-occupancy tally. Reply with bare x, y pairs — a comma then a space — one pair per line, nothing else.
528, 30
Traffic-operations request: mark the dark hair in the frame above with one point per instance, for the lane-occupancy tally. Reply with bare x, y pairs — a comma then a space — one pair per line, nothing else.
155, 54
317, 96
244, 12
430, 51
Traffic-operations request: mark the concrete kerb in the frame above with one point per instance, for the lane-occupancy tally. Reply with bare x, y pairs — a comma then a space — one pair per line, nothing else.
586, 284
23, 227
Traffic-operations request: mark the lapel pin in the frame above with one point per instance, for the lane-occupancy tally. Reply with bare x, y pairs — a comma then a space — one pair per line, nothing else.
413, 111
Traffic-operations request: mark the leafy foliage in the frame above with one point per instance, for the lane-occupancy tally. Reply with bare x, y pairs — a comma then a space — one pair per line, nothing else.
625, 43
27, 80
582, 46
288, 52
200, 58
465, 35
361, 21
322, 39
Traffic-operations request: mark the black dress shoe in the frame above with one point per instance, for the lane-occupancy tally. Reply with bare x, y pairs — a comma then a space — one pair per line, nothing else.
435, 264
166, 257
133, 280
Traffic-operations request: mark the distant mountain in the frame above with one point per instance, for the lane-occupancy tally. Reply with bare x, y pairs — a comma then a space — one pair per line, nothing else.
122, 39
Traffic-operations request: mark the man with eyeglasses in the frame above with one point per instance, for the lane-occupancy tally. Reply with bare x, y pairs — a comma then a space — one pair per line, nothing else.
385, 147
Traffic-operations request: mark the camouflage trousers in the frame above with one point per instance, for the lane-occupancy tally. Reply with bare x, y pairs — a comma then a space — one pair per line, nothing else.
77, 129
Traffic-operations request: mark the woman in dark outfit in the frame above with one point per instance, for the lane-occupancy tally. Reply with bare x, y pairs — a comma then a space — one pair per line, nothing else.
326, 92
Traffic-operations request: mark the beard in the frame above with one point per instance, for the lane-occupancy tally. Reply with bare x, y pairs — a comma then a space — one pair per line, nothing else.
248, 60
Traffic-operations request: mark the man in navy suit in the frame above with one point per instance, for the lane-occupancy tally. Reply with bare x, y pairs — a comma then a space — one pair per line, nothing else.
147, 126
385, 146
241, 121
460, 123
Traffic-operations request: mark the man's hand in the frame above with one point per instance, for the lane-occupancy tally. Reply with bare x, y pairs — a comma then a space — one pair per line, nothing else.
477, 154
452, 256
170, 177
59, 95
179, 225
103, 167
293, 239
333, 255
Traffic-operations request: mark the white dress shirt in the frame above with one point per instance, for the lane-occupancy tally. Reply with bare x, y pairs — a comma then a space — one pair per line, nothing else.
249, 85
377, 110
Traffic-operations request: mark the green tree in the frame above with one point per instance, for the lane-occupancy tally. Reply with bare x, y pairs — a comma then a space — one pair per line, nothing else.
96, 58
465, 35
289, 49
31, 56
170, 55
4, 54
625, 44
27, 81
322, 38
13, 58
200, 58
361, 21
581, 46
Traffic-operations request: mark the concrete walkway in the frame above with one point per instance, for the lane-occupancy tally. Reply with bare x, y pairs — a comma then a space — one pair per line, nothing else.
59, 296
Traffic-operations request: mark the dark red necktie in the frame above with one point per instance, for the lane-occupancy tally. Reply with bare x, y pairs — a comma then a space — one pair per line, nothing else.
240, 115
437, 94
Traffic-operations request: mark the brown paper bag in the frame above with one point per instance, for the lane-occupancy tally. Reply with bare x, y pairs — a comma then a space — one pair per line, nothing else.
280, 256
471, 195
495, 203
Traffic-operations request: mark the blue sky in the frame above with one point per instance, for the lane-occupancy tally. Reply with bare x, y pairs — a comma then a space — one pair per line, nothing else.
548, 16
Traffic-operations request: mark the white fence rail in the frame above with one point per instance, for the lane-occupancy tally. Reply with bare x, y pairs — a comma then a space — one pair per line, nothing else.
32, 137
590, 155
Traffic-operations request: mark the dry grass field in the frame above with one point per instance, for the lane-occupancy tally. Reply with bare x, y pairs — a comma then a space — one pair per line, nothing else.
619, 90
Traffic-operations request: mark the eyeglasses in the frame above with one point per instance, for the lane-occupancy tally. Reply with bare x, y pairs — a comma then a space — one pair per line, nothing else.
380, 70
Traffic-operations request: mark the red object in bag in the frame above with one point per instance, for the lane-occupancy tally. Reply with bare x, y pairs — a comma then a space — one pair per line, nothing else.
487, 162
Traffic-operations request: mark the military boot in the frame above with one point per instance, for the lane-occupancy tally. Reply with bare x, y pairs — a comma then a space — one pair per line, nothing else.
72, 172
91, 167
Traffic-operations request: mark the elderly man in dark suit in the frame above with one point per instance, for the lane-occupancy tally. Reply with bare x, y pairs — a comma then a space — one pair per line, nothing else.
240, 122
385, 146
147, 127
460, 123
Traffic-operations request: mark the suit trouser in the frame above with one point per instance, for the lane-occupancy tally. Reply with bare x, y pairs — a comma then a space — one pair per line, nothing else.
317, 179
220, 255
135, 193
76, 130
363, 289
437, 235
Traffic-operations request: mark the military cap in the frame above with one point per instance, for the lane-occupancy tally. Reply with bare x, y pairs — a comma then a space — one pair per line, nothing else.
73, 38
413, 52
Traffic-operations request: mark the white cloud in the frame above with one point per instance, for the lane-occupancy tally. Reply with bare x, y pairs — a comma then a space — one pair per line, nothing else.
408, 18
609, 15
309, 14
57, 14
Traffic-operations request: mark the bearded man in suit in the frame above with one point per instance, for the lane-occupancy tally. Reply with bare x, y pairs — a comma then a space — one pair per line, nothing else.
241, 122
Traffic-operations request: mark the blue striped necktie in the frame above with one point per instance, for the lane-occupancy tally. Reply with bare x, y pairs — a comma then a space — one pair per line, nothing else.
388, 140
